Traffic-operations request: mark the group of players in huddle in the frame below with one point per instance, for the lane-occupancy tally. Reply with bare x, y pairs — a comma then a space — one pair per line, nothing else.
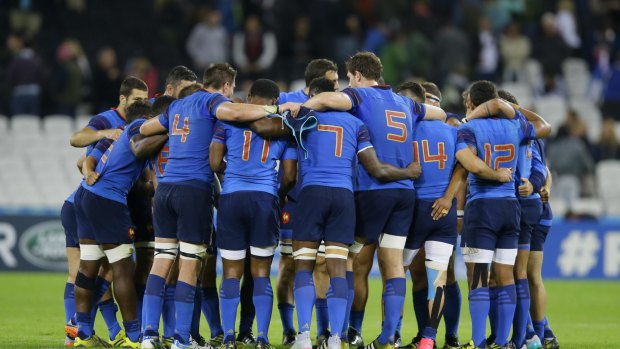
335, 176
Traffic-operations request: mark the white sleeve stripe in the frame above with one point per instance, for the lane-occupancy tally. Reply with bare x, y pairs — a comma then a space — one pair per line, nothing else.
361, 150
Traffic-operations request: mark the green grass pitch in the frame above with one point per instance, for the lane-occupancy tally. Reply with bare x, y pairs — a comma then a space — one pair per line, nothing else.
582, 314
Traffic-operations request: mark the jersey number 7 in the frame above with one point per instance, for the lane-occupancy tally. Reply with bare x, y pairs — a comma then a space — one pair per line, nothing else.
441, 157
339, 133
508, 155
183, 132
247, 139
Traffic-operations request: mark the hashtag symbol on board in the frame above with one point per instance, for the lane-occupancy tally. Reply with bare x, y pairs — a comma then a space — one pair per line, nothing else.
579, 253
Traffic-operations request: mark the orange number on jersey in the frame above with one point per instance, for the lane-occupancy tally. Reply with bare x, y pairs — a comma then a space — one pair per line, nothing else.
247, 139
441, 157
510, 148
390, 115
162, 160
183, 132
339, 131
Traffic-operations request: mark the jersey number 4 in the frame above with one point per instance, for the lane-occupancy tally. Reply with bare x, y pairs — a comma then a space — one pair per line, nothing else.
339, 131
390, 116
507, 150
247, 139
183, 132
441, 157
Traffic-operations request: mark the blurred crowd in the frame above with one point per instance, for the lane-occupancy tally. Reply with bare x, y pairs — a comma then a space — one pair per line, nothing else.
69, 56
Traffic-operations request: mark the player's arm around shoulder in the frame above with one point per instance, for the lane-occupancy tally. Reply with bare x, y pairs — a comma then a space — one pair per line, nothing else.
474, 165
243, 112
384, 171
493, 107
153, 127
144, 147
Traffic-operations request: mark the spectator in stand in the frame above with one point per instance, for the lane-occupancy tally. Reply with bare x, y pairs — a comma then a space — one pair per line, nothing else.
551, 50
25, 76
573, 125
611, 90
208, 43
567, 25
254, 49
451, 52
348, 43
302, 47
142, 68
485, 51
68, 79
608, 146
420, 54
107, 79
394, 59
515, 49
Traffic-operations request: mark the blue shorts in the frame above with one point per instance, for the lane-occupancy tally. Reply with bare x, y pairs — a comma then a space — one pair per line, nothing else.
383, 211
103, 220
142, 216
184, 211
247, 218
424, 228
491, 223
69, 222
539, 235
325, 213
287, 222
530, 216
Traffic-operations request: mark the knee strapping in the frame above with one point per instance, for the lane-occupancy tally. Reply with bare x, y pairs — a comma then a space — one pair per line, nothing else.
91, 252
356, 247
144, 245
437, 309
409, 255
166, 250
119, 252
85, 282
480, 276
337, 252
305, 254
233, 255
262, 252
192, 251
392, 241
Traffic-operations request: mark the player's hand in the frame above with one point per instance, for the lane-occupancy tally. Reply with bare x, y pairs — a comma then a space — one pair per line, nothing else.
91, 177
545, 193
526, 189
290, 106
414, 169
504, 175
441, 208
113, 134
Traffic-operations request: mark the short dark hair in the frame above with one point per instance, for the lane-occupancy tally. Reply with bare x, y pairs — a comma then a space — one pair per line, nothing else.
218, 74
180, 73
321, 84
367, 63
482, 91
317, 68
505, 95
189, 90
265, 88
140, 108
431, 88
416, 89
132, 83
161, 104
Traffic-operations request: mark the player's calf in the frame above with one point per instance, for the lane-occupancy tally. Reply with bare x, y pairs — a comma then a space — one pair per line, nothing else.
364, 259
321, 284
262, 295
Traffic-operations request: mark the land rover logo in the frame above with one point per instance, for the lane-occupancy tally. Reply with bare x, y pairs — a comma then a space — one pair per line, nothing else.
43, 245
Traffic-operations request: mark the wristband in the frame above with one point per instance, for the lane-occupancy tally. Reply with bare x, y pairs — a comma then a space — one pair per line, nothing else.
271, 109
460, 213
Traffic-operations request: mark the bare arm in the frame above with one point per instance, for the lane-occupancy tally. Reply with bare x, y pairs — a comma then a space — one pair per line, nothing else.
384, 171
476, 166
494, 107
88, 170
80, 162
442, 206
242, 112
434, 113
267, 128
88, 136
545, 191
542, 127
329, 100
144, 147
217, 151
288, 180
152, 127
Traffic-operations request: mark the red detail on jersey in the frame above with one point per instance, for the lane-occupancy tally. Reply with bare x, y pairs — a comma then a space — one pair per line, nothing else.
265, 154
183, 132
390, 115
286, 217
510, 148
247, 138
162, 160
339, 131
440, 157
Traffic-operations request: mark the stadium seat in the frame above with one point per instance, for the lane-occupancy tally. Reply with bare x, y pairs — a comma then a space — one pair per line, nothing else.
533, 75
591, 116
26, 124
553, 109
607, 174
4, 124
588, 206
55, 125
81, 121
298, 84
576, 76
522, 91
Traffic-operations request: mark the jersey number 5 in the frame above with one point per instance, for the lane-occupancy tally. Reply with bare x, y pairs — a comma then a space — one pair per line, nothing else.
247, 139
339, 133
183, 132
441, 157
508, 156
390, 115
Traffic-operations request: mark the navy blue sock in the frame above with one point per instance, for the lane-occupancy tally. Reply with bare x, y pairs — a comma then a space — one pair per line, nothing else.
245, 322
337, 296
184, 305
529, 331
420, 307
506, 304
168, 312
140, 289
194, 329
399, 324
452, 309
322, 316
153, 300
522, 312
84, 323
393, 300
350, 296
429, 332
211, 310
539, 329
263, 303
69, 300
229, 302
108, 311
101, 287
132, 330
479, 309
493, 307
548, 333
286, 315
304, 298
356, 319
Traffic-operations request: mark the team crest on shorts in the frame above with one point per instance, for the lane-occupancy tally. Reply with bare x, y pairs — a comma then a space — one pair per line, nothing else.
286, 217
131, 232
